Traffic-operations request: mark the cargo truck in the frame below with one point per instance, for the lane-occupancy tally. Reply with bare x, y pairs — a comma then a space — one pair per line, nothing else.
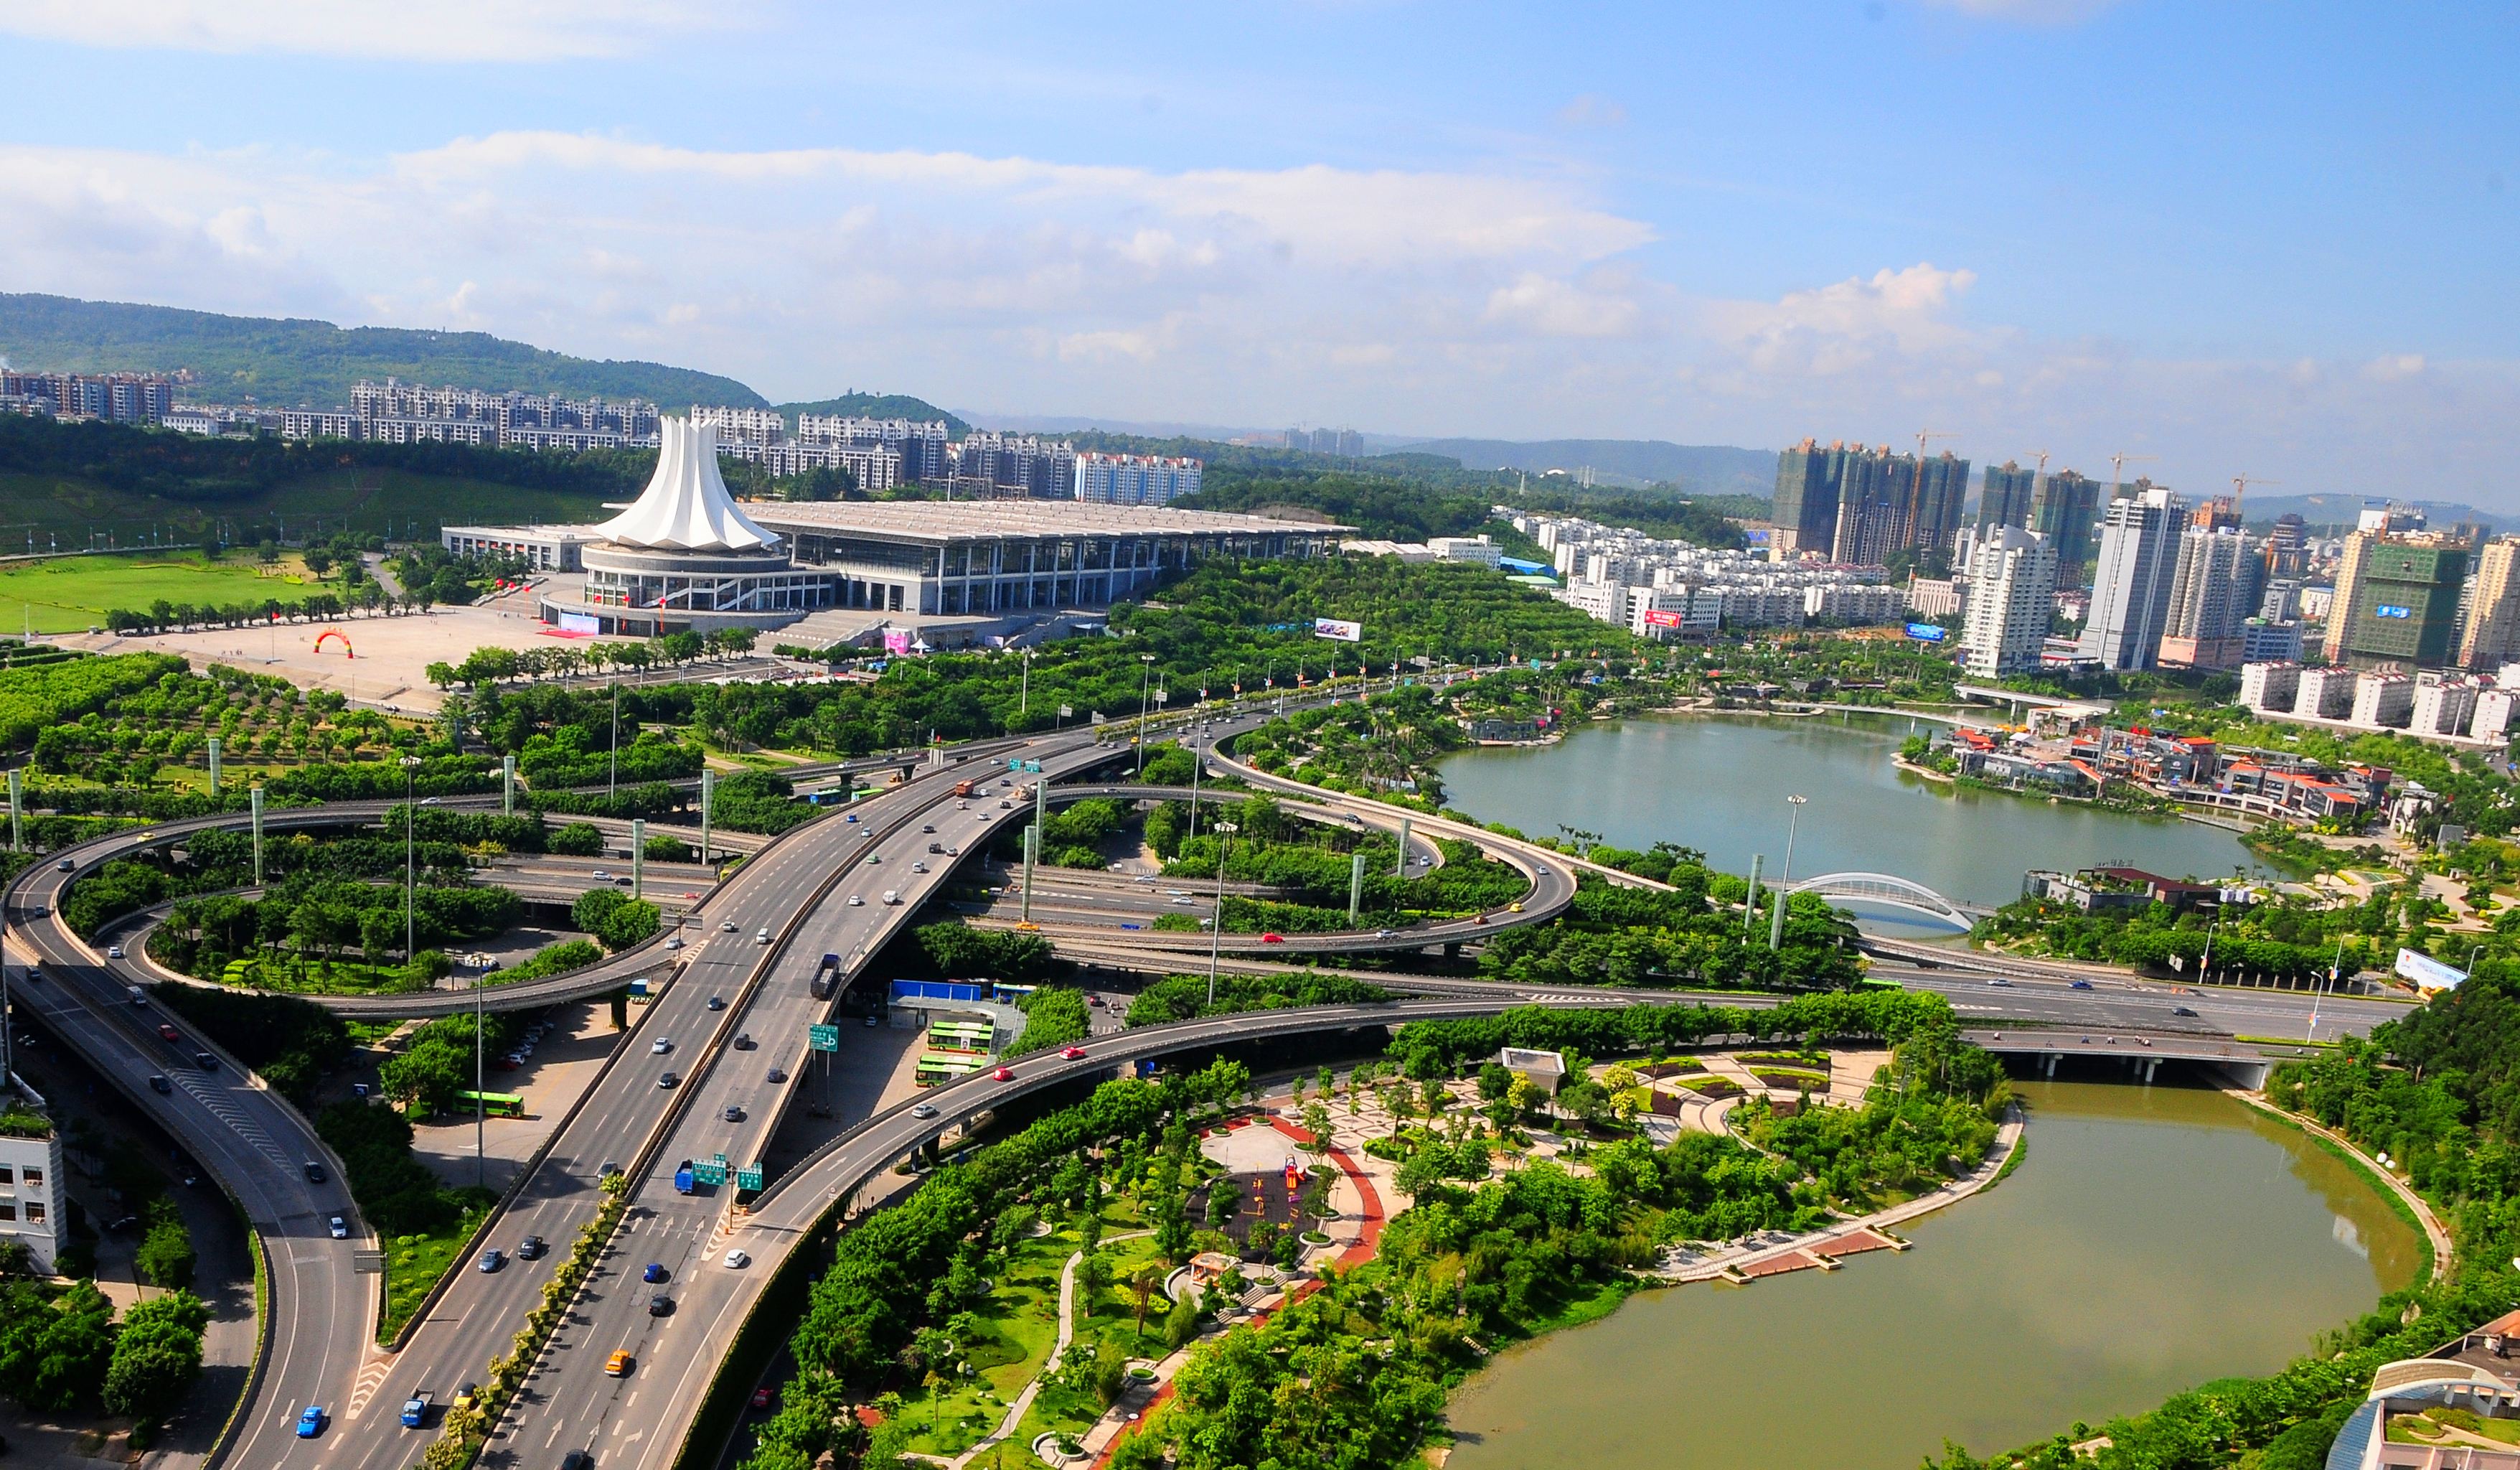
826, 976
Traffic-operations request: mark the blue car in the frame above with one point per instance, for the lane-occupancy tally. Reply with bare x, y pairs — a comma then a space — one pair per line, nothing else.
2082, 984
655, 1272
492, 1260
311, 1423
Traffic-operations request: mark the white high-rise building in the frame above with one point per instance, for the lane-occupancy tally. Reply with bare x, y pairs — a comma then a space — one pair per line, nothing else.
1134, 479
2011, 599
2131, 581
2327, 692
2209, 598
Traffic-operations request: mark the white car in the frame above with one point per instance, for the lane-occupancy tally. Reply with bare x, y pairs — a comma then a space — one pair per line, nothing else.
737, 1261
924, 1110
856, 901
919, 867
663, 1044
113, 951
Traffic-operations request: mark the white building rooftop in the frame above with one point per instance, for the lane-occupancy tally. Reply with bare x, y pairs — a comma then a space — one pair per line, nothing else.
686, 506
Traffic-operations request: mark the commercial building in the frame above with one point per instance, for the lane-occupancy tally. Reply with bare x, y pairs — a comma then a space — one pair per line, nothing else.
542, 548
2213, 591
2130, 580
2265, 640
2396, 599
2011, 598
2005, 500
685, 555
2064, 508
34, 1211
2491, 635
1857, 505
1133, 479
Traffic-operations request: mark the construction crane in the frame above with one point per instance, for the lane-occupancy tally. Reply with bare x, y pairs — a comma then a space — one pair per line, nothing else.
1923, 434
2240, 484
2117, 467
2039, 455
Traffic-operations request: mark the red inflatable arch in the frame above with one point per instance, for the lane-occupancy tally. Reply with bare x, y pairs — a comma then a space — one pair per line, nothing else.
334, 632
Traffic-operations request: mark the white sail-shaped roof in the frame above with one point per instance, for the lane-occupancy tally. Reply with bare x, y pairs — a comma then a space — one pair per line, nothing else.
685, 507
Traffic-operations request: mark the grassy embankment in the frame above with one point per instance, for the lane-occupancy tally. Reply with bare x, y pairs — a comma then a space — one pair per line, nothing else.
399, 502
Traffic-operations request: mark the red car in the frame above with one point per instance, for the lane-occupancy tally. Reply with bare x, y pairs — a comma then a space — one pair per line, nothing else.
1273, 938
761, 1397
1072, 1055
169, 1033
1003, 1074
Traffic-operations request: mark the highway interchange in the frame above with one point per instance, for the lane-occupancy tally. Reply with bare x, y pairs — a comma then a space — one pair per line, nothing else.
323, 1308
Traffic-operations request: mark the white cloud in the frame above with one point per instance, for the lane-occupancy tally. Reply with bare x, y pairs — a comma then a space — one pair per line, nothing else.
1553, 308
1489, 303
443, 30
1591, 110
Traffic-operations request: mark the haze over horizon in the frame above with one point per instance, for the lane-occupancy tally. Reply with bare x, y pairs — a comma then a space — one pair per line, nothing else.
2231, 239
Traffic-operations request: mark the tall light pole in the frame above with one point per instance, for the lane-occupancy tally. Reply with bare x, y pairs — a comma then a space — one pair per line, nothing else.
612, 756
410, 847
1024, 706
1146, 676
1216, 923
1784, 877
1794, 808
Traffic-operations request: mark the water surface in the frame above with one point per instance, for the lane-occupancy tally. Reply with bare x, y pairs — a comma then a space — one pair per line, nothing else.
2151, 1239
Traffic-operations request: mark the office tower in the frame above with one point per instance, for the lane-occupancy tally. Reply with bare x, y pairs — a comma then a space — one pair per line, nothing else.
2287, 547
2006, 498
2130, 580
2210, 597
2396, 598
1804, 511
1936, 502
2011, 598
2063, 508
2491, 637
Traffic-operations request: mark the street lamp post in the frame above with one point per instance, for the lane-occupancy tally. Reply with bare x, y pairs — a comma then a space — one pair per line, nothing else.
1145, 677
1216, 922
409, 849
1023, 706
1794, 808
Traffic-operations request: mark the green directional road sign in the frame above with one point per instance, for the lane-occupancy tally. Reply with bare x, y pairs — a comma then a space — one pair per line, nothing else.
749, 1176
823, 1038
708, 1173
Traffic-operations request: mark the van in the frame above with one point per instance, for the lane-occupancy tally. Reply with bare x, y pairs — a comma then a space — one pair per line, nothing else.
892, 897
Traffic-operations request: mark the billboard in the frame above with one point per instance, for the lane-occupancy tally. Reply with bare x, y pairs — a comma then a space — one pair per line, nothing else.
2426, 973
2392, 610
1658, 618
1926, 633
1343, 630
579, 622
896, 640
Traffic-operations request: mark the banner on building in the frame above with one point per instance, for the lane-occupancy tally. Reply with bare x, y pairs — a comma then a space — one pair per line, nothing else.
2426, 973
1333, 627
578, 622
1927, 633
1660, 617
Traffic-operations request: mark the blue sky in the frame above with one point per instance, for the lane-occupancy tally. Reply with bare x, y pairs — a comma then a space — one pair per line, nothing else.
2240, 237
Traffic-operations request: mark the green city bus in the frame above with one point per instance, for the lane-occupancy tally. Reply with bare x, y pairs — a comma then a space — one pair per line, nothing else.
495, 1104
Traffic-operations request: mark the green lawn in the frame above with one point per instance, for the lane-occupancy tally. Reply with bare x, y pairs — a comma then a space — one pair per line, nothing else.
1023, 1317
413, 1265
72, 594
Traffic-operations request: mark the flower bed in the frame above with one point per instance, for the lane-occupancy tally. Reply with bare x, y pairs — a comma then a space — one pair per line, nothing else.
1714, 1087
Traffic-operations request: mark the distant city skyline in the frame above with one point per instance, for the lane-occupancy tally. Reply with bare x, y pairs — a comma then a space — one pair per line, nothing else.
2283, 260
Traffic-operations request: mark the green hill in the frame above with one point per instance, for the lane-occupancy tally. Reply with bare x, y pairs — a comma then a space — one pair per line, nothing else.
290, 362
876, 407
